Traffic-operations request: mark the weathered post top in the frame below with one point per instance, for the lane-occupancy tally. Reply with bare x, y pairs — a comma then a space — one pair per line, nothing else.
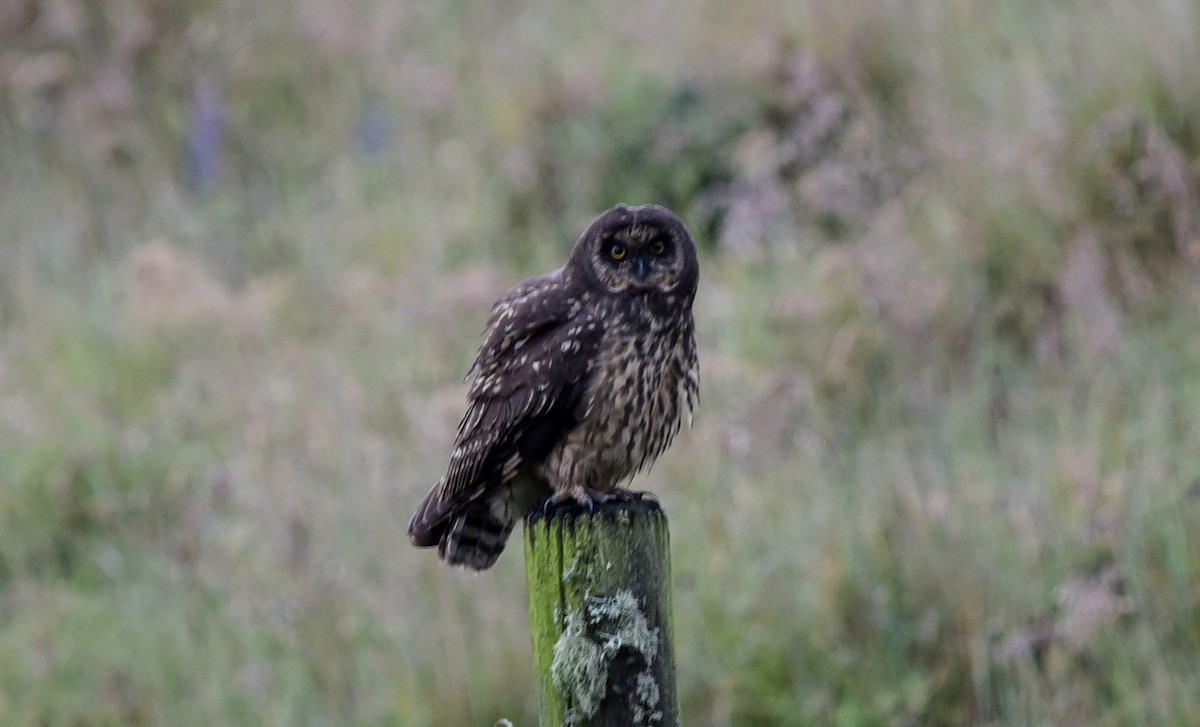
600, 615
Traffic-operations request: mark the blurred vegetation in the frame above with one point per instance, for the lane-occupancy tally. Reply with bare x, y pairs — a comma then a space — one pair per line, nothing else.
948, 320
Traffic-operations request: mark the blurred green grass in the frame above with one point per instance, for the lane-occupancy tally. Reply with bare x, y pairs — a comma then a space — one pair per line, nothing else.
942, 472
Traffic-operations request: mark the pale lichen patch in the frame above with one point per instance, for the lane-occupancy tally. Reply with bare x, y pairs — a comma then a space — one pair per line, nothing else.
647, 696
593, 636
571, 570
579, 669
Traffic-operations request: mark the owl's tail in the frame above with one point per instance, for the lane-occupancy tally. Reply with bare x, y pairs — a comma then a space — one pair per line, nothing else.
475, 538
472, 537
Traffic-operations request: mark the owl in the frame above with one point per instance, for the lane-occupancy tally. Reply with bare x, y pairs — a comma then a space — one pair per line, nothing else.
583, 379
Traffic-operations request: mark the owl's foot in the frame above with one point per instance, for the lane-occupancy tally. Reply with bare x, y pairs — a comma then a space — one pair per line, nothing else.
639, 496
586, 501
574, 501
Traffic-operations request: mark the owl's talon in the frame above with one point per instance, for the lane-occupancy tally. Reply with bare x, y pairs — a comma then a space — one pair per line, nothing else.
626, 497
569, 502
555, 504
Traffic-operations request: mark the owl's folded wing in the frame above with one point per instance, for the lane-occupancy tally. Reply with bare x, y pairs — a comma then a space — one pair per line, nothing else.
530, 377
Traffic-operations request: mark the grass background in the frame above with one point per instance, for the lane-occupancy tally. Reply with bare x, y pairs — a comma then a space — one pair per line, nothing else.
944, 469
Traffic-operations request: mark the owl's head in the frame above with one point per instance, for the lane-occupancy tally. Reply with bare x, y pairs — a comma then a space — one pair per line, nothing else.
644, 249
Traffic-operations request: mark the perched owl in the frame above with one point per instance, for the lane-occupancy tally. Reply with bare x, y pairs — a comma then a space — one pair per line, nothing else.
582, 381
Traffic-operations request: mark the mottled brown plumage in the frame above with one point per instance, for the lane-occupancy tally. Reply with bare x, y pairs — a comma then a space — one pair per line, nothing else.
582, 381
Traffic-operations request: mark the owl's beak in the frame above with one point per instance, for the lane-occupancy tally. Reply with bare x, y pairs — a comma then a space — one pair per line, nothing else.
640, 269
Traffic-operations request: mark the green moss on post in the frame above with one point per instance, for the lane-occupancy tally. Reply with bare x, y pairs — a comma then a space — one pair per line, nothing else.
600, 615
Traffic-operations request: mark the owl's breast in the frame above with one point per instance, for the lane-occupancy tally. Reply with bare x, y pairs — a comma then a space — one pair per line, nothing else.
642, 384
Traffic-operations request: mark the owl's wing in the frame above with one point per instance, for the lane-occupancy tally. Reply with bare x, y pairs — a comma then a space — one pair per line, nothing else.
529, 381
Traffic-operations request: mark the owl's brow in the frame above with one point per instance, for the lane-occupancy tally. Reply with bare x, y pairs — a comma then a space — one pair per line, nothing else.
641, 232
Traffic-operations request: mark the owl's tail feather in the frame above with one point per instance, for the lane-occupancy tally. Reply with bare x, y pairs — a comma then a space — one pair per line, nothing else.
471, 535
475, 538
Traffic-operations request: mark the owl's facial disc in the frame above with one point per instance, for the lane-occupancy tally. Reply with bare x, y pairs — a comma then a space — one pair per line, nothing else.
637, 257
644, 249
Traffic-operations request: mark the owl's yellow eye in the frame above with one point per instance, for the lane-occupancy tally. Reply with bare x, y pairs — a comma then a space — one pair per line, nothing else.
617, 251
658, 247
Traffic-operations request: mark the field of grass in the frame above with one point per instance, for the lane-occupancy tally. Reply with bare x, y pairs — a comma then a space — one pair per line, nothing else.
944, 470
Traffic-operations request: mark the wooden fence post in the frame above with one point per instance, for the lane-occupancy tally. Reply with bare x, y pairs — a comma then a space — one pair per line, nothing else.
600, 615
